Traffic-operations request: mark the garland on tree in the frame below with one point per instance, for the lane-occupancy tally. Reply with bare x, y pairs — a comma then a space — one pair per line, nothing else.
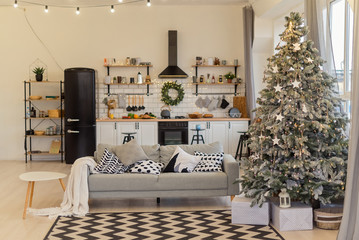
298, 140
166, 98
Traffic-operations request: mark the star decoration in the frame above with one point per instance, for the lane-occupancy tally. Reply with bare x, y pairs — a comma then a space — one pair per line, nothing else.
279, 117
296, 47
309, 60
275, 141
296, 84
291, 69
275, 69
261, 137
278, 88
305, 109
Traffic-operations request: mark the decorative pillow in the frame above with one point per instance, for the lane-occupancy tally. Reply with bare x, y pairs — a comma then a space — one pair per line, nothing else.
145, 166
130, 152
182, 162
209, 162
110, 164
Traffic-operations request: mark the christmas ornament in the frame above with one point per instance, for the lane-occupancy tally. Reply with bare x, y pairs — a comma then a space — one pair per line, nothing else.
278, 88
296, 84
275, 69
296, 47
166, 98
291, 69
279, 117
305, 109
309, 60
284, 199
275, 141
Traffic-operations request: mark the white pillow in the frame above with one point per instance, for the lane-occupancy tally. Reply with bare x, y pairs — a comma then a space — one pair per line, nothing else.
182, 161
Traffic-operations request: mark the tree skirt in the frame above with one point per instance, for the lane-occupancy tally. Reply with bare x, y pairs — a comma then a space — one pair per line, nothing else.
158, 225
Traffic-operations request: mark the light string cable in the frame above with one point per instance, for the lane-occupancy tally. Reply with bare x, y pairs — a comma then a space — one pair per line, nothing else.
84, 6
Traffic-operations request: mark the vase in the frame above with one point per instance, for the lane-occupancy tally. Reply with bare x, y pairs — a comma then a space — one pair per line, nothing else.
229, 80
39, 77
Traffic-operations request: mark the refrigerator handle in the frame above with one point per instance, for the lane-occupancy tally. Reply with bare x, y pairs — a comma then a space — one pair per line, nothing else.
72, 131
73, 120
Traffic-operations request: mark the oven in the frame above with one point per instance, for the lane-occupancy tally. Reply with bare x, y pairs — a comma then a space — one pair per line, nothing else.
172, 132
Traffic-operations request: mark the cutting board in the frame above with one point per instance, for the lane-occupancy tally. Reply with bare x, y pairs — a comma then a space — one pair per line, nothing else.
240, 103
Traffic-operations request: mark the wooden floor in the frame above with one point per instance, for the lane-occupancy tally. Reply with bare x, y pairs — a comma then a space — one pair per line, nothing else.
49, 194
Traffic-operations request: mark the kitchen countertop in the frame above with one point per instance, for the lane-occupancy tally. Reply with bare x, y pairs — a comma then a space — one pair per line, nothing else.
171, 120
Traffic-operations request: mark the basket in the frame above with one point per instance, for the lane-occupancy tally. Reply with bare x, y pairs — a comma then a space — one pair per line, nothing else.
328, 218
54, 113
39, 132
194, 115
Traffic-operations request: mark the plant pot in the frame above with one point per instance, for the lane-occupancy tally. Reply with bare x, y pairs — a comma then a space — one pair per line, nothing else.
39, 77
229, 80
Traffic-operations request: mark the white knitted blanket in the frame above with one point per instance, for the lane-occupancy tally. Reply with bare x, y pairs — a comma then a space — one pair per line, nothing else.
75, 201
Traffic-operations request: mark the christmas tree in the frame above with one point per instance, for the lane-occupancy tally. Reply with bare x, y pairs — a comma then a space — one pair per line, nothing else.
298, 139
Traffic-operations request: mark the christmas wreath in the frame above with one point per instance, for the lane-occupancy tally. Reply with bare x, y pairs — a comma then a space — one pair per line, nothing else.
166, 98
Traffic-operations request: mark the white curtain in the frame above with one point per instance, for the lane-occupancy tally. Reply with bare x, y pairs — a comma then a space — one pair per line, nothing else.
349, 228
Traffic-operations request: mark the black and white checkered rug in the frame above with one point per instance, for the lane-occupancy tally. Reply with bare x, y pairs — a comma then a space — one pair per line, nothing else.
157, 225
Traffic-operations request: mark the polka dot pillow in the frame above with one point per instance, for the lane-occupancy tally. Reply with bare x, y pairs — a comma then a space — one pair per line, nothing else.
145, 166
209, 162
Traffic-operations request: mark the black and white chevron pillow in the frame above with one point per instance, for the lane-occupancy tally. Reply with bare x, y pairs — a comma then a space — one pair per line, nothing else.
145, 166
110, 164
209, 162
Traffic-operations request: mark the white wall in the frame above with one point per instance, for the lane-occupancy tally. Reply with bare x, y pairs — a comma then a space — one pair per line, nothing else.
84, 40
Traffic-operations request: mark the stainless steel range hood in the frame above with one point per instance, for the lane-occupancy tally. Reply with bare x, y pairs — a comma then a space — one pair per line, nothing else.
172, 71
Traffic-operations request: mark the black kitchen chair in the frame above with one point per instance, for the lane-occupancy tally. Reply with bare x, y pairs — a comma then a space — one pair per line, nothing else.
197, 137
244, 137
129, 136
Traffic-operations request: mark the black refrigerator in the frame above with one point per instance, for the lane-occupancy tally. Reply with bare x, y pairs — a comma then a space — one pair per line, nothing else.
80, 113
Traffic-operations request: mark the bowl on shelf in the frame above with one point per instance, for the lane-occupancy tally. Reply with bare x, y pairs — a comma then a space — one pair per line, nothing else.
35, 97
194, 115
208, 115
51, 97
39, 132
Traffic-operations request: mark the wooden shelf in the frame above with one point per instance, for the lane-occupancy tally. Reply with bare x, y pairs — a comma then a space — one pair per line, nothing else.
43, 81
118, 65
43, 153
44, 136
44, 99
215, 83
216, 65
40, 118
132, 84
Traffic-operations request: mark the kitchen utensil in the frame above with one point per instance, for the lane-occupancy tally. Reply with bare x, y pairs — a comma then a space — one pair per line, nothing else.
240, 103
128, 109
135, 107
213, 104
234, 112
224, 103
143, 103
165, 113
199, 102
206, 102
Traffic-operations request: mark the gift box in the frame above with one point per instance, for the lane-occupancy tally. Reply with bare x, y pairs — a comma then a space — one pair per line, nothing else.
298, 217
243, 213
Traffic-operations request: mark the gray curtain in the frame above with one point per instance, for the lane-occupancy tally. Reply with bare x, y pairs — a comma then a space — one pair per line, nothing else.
349, 228
248, 27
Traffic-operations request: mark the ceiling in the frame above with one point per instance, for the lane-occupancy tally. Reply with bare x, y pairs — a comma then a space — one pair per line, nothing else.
84, 3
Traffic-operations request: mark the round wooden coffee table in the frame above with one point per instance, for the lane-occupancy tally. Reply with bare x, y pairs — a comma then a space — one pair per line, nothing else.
32, 177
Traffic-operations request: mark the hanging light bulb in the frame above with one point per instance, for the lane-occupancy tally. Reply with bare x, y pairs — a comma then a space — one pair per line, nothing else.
148, 3
120, 1
77, 10
46, 9
15, 4
112, 9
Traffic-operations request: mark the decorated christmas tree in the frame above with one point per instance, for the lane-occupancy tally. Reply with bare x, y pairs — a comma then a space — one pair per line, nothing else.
298, 139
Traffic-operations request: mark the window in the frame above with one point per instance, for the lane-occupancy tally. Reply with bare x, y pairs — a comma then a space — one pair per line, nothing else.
341, 26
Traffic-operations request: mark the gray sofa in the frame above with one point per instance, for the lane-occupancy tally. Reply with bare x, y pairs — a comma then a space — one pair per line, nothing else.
195, 184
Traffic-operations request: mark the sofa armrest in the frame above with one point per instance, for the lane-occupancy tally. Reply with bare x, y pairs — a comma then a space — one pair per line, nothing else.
231, 168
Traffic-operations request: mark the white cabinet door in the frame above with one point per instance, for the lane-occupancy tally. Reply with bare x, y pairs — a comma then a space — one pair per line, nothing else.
234, 128
147, 133
218, 132
126, 127
106, 133
192, 125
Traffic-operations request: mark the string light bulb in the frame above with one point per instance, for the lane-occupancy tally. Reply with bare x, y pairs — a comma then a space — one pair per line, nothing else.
120, 1
15, 4
148, 3
46, 9
112, 9
77, 11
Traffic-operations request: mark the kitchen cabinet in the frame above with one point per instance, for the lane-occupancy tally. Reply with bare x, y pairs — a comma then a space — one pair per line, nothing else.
111, 132
218, 132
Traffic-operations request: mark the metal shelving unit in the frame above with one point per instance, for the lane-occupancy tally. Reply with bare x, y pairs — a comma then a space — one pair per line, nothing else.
28, 145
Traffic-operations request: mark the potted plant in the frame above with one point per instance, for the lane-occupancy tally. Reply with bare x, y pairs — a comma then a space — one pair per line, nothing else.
229, 76
39, 71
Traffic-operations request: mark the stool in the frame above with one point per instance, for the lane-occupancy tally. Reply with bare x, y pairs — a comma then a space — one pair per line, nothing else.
242, 138
198, 137
129, 137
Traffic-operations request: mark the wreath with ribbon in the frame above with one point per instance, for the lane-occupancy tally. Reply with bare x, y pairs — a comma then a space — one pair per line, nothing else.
166, 98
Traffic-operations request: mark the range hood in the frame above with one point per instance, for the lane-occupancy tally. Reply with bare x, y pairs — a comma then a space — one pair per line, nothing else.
172, 71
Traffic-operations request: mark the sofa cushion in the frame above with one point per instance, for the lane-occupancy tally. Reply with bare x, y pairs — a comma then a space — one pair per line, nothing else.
182, 162
152, 151
209, 162
162, 182
110, 164
130, 152
167, 151
146, 167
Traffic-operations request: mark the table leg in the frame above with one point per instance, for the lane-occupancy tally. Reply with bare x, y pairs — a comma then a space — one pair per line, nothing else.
62, 184
31, 193
27, 199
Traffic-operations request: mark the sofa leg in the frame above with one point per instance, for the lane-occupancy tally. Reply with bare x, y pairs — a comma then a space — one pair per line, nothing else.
232, 197
158, 200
